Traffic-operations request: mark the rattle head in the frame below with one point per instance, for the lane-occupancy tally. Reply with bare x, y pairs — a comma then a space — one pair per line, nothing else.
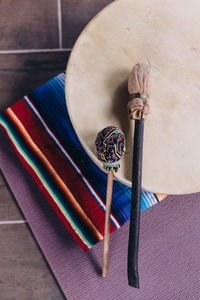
110, 146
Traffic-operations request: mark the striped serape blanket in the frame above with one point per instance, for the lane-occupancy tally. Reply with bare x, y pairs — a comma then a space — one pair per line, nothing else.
41, 133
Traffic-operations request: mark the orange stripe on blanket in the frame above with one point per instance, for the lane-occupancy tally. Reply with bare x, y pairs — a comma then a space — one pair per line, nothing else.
53, 172
73, 179
161, 196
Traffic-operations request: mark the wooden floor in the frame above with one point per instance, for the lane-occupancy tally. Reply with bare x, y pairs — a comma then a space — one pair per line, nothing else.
36, 40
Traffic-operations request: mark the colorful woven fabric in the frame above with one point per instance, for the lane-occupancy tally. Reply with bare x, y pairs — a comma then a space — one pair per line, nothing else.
42, 135
110, 146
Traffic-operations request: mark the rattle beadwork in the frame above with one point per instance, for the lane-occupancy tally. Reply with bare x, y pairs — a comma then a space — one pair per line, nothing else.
110, 146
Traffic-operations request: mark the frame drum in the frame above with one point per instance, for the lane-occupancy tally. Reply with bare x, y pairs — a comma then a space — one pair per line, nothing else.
167, 34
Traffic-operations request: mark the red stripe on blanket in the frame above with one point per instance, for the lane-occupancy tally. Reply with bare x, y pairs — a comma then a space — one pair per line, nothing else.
48, 196
60, 164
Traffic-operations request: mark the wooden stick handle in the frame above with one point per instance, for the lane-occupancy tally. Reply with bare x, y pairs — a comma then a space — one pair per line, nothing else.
107, 223
133, 246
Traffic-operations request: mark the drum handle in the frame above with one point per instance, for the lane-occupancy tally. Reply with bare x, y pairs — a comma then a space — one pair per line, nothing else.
133, 246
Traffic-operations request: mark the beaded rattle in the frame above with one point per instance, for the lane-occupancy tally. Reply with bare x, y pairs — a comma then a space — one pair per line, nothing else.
110, 146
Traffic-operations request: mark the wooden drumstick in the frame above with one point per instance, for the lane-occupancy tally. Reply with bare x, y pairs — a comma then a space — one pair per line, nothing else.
107, 223
110, 146
138, 109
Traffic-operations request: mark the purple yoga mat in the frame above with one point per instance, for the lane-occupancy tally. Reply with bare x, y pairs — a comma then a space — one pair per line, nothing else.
169, 258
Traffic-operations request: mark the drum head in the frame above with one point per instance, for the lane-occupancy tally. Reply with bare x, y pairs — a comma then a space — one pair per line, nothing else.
166, 33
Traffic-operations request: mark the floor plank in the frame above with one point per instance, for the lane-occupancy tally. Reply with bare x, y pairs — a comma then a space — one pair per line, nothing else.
20, 74
28, 24
2, 181
24, 274
8, 208
75, 15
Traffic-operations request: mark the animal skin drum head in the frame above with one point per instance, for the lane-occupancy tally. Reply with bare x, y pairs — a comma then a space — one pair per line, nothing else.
167, 34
